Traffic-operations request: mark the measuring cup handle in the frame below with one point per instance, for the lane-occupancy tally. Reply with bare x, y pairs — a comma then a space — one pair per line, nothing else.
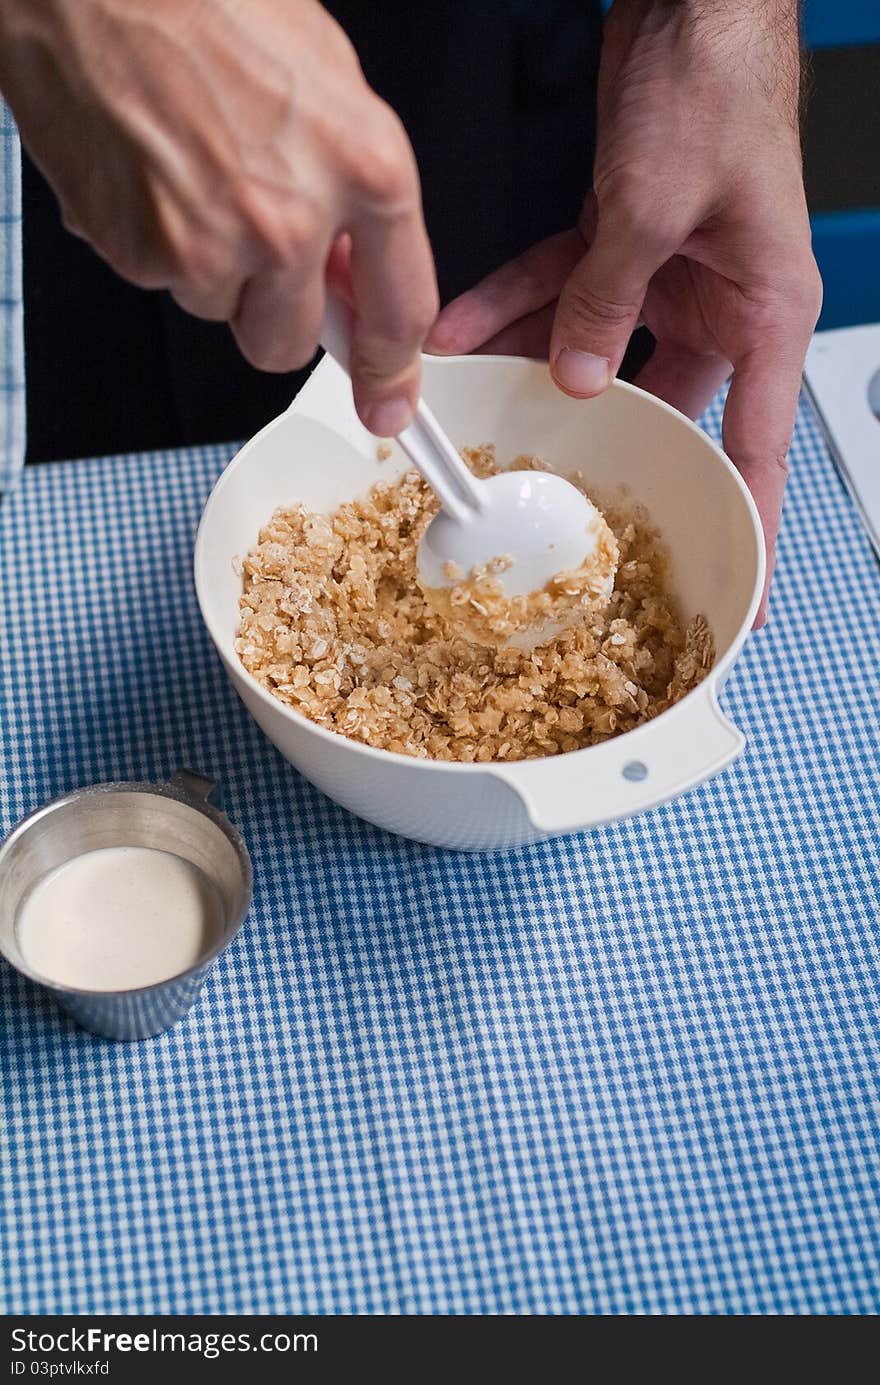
193, 784
687, 744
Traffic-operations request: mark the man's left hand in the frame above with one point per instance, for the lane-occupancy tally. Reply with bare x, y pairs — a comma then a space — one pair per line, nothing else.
696, 225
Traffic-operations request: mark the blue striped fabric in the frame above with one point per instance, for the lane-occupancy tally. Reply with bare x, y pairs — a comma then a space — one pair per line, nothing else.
631, 1071
12, 399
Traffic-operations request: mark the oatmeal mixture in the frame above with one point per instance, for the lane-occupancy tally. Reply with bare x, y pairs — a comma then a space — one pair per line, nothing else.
334, 624
477, 607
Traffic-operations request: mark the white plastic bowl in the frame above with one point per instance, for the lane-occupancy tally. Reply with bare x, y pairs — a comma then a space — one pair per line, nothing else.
317, 453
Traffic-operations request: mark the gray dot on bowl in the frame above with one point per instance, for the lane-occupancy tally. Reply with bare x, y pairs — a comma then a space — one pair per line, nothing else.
635, 771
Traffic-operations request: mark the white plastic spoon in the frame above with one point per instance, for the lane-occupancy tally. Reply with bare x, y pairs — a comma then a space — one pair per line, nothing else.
540, 520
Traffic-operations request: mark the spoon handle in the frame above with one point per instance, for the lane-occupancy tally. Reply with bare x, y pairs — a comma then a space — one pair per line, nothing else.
460, 493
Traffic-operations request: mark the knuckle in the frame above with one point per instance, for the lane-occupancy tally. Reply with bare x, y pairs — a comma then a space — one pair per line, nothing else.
423, 313
143, 269
196, 306
285, 240
583, 301
163, 251
285, 232
397, 340
202, 266
374, 362
387, 347
633, 206
808, 291
164, 244
272, 356
380, 366
772, 458
788, 307
383, 167
280, 362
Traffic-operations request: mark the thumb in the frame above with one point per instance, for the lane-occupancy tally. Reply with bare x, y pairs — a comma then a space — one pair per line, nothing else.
598, 310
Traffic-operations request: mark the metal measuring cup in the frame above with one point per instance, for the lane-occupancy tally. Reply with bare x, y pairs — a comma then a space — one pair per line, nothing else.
175, 817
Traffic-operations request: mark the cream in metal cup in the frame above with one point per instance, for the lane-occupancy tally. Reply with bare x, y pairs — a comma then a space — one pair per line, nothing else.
174, 817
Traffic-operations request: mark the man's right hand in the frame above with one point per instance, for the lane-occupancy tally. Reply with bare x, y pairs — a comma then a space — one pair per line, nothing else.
232, 153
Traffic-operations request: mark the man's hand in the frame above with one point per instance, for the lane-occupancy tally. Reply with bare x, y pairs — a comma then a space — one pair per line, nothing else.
696, 225
228, 152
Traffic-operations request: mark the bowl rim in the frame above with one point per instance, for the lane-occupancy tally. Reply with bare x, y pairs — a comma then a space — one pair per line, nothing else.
236, 668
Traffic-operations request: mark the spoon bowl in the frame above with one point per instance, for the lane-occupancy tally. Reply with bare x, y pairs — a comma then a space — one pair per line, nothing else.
537, 523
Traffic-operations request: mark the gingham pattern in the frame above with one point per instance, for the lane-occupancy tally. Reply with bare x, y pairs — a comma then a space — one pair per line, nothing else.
631, 1071
12, 403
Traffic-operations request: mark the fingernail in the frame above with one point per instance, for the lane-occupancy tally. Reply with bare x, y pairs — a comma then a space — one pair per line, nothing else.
389, 417
579, 372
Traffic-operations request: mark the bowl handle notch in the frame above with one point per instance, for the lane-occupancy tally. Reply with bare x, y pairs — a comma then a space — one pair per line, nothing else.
659, 760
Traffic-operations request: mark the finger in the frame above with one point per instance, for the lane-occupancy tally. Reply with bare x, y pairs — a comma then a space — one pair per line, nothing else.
588, 219
337, 271
214, 302
205, 279
278, 318
758, 424
517, 289
683, 378
395, 300
600, 304
528, 337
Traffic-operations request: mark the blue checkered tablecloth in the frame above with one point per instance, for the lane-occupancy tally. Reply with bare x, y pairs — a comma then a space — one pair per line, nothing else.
631, 1071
